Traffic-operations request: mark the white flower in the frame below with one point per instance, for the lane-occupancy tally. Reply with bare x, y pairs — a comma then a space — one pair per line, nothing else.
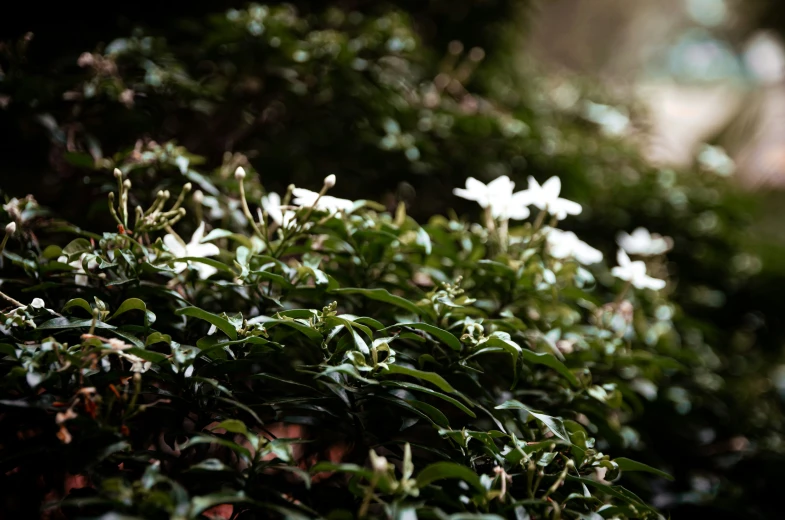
81, 275
497, 195
635, 273
193, 249
566, 244
37, 303
10, 228
272, 205
546, 197
641, 242
138, 364
303, 197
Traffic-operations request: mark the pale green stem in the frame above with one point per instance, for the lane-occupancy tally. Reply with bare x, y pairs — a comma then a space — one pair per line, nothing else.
540, 219
247, 211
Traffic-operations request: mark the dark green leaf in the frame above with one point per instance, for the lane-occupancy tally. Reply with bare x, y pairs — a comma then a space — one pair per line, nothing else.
222, 324
384, 296
626, 464
449, 470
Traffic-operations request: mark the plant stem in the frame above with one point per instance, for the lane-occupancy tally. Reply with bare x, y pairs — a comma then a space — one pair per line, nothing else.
540, 219
247, 211
18, 304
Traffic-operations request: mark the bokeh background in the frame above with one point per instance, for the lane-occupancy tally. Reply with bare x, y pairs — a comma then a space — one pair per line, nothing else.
668, 114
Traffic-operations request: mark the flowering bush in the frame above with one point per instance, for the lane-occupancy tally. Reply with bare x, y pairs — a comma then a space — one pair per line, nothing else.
401, 116
349, 363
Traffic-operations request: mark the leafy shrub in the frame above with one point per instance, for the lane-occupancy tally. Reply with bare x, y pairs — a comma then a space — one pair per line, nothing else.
188, 100
339, 360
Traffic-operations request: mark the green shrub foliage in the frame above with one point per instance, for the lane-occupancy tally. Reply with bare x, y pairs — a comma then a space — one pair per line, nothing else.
336, 361
679, 379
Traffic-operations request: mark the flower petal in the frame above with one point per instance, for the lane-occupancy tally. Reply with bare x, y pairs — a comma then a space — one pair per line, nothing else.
205, 271
174, 246
621, 273
198, 234
202, 250
500, 186
622, 258
654, 283
560, 208
551, 188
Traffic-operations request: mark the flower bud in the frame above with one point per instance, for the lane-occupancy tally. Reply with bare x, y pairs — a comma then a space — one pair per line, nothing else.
329, 181
118, 173
127, 184
198, 197
187, 187
10, 228
239, 173
86, 60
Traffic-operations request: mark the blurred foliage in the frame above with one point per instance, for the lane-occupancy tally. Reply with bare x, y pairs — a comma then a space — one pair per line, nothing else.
403, 115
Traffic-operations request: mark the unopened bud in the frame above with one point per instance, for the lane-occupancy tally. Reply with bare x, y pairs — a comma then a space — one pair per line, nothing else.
329, 181
187, 187
198, 196
118, 173
10, 228
85, 60
239, 173
127, 184
167, 194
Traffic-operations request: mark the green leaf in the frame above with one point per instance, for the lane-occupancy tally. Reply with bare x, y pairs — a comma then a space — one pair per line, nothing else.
449, 470
277, 278
134, 304
549, 360
626, 464
206, 439
77, 247
51, 252
222, 324
7, 349
208, 261
157, 337
440, 334
312, 334
424, 389
433, 413
383, 296
554, 424
215, 234
502, 340
616, 491
233, 426
133, 340
423, 240
65, 323
353, 469
80, 303
431, 377
148, 355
